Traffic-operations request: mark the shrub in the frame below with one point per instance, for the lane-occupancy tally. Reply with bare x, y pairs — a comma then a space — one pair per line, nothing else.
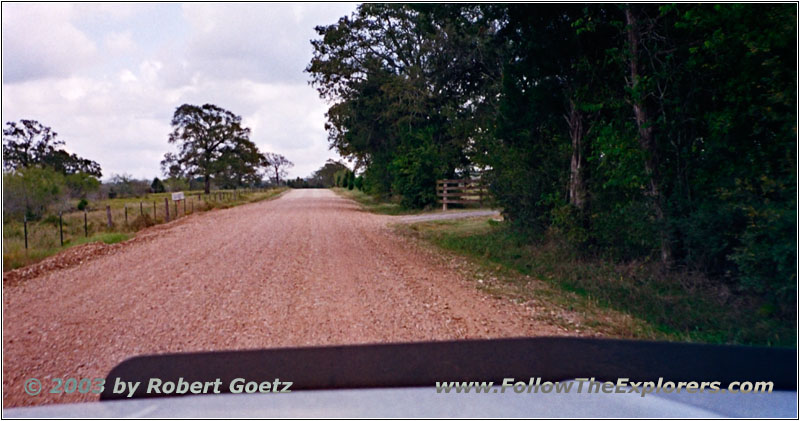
29, 191
157, 186
416, 170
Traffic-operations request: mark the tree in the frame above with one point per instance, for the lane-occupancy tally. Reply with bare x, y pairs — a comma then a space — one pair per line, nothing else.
124, 185
157, 186
325, 176
403, 78
80, 184
28, 143
279, 165
661, 132
644, 121
239, 164
203, 134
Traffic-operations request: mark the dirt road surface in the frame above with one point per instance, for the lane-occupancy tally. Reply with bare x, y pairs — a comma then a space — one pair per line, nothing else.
309, 268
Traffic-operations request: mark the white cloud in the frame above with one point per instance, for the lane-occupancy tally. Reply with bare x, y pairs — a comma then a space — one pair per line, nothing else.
120, 43
257, 41
39, 41
116, 107
107, 10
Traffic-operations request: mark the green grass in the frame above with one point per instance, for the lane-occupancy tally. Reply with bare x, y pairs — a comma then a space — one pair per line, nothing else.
43, 235
374, 204
17, 256
674, 305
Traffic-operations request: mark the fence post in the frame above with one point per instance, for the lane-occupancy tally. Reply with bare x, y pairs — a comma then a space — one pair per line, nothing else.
108, 214
141, 210
154, 210
126, 213
25, 225
166, 207
444, 196
85, 224
184, 207
176, 209
192, 206
61, 228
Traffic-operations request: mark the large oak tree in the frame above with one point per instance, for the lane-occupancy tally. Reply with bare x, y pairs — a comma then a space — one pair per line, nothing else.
211, 140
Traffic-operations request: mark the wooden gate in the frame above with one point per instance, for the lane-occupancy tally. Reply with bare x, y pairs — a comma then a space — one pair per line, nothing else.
460, 191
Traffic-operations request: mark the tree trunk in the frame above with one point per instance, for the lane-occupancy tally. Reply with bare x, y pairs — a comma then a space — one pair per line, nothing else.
645, 130
207, 184
577, 182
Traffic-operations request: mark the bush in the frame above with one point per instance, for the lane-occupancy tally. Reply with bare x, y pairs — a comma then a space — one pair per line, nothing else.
81, 184
82, 204
30, 191
174, 184
416, 170
767, 257
142, 221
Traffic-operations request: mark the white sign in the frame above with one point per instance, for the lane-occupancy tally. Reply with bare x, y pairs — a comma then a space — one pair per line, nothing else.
177, 196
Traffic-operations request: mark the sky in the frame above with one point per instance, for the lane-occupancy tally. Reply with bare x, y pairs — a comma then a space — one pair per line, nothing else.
108, 77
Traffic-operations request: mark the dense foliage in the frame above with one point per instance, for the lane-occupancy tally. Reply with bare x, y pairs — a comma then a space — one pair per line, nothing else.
38, 174
630, 131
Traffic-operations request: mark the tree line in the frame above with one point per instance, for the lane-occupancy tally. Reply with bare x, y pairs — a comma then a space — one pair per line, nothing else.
214, 148
632, 131
38, 173
331, 174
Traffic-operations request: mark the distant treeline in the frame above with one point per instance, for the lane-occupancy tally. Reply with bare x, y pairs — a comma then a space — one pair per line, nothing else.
214, 152
646, 131
331, 174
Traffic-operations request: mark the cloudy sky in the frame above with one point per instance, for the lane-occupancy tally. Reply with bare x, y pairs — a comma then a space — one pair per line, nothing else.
108, 77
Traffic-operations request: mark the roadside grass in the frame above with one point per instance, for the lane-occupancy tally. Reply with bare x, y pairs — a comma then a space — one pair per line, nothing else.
632, 300
44, 237
15, 256
378, 205
374, 204
246, 198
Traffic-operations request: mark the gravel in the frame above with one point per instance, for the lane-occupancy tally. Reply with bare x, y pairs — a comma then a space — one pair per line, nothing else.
309, 268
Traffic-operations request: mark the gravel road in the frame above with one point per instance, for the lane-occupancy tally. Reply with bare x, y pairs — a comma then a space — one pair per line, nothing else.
309, 268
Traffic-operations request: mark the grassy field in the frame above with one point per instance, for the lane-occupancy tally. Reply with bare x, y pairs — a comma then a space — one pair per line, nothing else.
44, 234
633, 300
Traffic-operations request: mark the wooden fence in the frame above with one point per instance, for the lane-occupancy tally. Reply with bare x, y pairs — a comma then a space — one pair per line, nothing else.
460, 191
